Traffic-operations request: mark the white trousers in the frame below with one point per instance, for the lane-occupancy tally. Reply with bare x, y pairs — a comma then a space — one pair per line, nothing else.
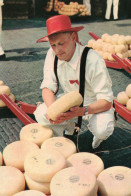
115, 9
101, 125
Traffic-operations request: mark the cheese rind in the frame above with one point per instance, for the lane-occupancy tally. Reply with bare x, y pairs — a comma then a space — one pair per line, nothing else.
61, 144
30, 193
64, 103
42, 165
11, 181
115, 181
14, 153
36, 133
74, 181
88, 160
1, 83
5, 90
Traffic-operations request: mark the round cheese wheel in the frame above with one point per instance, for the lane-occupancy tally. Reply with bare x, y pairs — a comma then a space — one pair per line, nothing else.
5, 90
122, 97
88, 160
39, 186
129, 53
42, 165
128, 39
74, 181
90, 43
11, 181
64, 103
103, 37
1, 159
128, 90
1, 82
61, 144
14, 153
11, 96
128, 104
115, 181
30, 193
36, 133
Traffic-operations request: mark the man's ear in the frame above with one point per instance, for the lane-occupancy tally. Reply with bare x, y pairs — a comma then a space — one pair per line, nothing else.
74, 36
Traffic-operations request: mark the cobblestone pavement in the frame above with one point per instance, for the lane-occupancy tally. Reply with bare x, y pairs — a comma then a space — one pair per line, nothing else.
23, 71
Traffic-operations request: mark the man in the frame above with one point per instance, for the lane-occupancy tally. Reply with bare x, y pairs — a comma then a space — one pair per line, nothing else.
115, 9
98, 96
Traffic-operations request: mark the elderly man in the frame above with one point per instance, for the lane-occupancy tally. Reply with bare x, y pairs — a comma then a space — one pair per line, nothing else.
98, 97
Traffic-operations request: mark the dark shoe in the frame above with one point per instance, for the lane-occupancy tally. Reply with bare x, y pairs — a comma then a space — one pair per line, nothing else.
71, 137
2, 57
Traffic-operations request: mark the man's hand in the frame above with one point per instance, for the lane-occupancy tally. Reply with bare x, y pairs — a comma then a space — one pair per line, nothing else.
72, 113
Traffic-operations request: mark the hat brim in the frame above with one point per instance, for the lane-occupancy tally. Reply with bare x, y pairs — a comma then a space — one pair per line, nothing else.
73, 29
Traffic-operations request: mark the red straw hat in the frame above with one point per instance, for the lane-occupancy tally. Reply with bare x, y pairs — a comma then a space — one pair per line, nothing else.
59, 23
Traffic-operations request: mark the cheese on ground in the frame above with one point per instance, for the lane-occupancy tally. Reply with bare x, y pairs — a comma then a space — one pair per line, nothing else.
115, 181
61, 144
1, 82
64, 103
30, 193
14, 154
11, 181
5, 90
39, 186
11, 96
42, 165
36, 133
88, 160
74, 181
1, 159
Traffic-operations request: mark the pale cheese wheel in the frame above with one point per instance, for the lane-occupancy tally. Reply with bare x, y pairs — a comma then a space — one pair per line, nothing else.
14, 153
5, 90
88, 160
11, 96
128, 90
11, 181
115, 181
128, 104
1, 159
129, 53
30, 193
64, 103
61, 144
36, 133
1, 83
122, 97
74, 181
90, 43
42, 165
44, 187
103, 37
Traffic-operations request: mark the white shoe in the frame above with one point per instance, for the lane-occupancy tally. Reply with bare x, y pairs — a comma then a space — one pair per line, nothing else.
96, 142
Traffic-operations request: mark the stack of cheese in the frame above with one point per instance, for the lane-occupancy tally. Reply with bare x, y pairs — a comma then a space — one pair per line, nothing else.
112, 44
124, 97
41, 166
115, 181
49, 6
5, 90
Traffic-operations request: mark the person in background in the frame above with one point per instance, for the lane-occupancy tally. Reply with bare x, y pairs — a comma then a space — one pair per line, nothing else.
97, 108
2, 54
115, 9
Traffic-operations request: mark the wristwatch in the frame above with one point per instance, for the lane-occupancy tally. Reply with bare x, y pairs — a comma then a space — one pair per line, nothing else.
86, 111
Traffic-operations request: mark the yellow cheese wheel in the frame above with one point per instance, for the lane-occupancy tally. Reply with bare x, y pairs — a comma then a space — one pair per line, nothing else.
128, 104
1, 82
90, 43
36, 133
30, 193
44, 187
11, 96
14, 153
115, 181
128, 39
11, 181
122, 97
128, 90
1, 159
5, 90
88, 160
129, 53
74, 181
103, 37
42, 165
61, 144
64, 103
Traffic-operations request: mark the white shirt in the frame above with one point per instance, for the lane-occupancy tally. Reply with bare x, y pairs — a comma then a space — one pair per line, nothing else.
97, 80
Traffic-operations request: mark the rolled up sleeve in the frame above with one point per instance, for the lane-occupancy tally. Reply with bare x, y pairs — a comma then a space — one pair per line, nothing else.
49, 80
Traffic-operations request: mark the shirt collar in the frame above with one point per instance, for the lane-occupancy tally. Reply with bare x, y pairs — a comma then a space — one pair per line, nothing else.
74, 60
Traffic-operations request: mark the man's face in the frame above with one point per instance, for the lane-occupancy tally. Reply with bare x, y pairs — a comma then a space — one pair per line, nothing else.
63, 44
